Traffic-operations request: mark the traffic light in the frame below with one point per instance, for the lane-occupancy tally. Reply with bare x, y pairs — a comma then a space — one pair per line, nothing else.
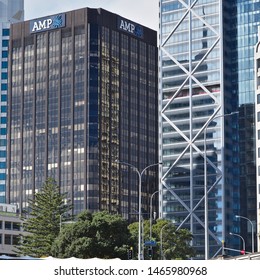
130, 253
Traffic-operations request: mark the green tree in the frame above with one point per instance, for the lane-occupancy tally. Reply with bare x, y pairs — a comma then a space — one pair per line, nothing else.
43, 223
100, 235
175, 245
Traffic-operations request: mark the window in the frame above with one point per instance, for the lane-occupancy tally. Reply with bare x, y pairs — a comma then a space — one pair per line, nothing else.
4, 54
4, 64
258, 98
5, 43
4, 76
8, 239
3, 86
3, 97
3, 109
3, 131
5, 32
16, 239
3, 143
3, 120
2, 153
16, 226
8, 225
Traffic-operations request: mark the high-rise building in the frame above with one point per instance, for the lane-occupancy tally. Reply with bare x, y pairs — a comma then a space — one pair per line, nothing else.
257, 126
10, 11
207, 119
83, 94
244, 23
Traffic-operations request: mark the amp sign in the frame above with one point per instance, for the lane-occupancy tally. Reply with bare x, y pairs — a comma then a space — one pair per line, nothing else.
130, 27
47, 23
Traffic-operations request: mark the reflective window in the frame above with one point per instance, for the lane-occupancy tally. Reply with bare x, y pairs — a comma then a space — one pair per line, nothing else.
5, 32
5, 43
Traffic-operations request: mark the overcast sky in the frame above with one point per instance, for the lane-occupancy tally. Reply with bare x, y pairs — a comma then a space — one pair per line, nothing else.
145, 12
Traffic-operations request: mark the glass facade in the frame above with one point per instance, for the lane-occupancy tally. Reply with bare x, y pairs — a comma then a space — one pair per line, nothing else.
82, 97
248, 20
198, 144
4, 36
10, 12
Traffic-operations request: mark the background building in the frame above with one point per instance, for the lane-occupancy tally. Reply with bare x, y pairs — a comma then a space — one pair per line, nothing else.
10, 229
206, 77
10, 11
244, 29
83, 94
257, 122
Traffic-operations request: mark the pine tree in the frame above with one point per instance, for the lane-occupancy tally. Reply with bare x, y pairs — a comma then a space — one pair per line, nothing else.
43, 224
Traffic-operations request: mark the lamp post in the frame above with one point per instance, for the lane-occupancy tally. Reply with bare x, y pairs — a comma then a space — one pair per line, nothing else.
151, 214
61, 221
252, 235
243, 240
206, 214
140, 173
161, 239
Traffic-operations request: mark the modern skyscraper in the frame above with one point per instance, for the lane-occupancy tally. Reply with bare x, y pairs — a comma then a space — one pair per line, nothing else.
83, 94
246, 19
10, 11
207, 118
257, 122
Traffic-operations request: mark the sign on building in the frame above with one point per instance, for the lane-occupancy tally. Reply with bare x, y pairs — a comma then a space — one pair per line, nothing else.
47, 23
9, 208
130, 27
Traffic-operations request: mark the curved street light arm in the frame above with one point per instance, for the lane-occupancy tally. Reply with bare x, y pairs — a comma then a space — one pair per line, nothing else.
252, 235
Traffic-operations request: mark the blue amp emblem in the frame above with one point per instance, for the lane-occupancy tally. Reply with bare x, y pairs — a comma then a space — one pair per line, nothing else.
57, 21
138, 31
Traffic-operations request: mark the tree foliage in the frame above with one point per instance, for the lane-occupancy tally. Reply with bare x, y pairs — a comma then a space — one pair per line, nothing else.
100, 235
43, 223
175, 243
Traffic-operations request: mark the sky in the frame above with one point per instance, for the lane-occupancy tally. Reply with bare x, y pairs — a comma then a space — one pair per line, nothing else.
145, 12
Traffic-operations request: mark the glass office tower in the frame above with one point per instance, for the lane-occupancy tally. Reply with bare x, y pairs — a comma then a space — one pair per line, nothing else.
198, 124
10, 11
257, 125
247, 19
83, 94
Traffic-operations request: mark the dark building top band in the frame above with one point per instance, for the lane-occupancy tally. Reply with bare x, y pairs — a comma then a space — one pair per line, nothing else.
81, 16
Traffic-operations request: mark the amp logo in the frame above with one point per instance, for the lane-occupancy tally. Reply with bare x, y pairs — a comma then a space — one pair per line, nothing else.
130, 27
47, 23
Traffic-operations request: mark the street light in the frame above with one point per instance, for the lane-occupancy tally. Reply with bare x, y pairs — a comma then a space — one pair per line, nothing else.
151, 214
252, 226
161, 241
243, 240
61, 220
140, 253
206, 187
